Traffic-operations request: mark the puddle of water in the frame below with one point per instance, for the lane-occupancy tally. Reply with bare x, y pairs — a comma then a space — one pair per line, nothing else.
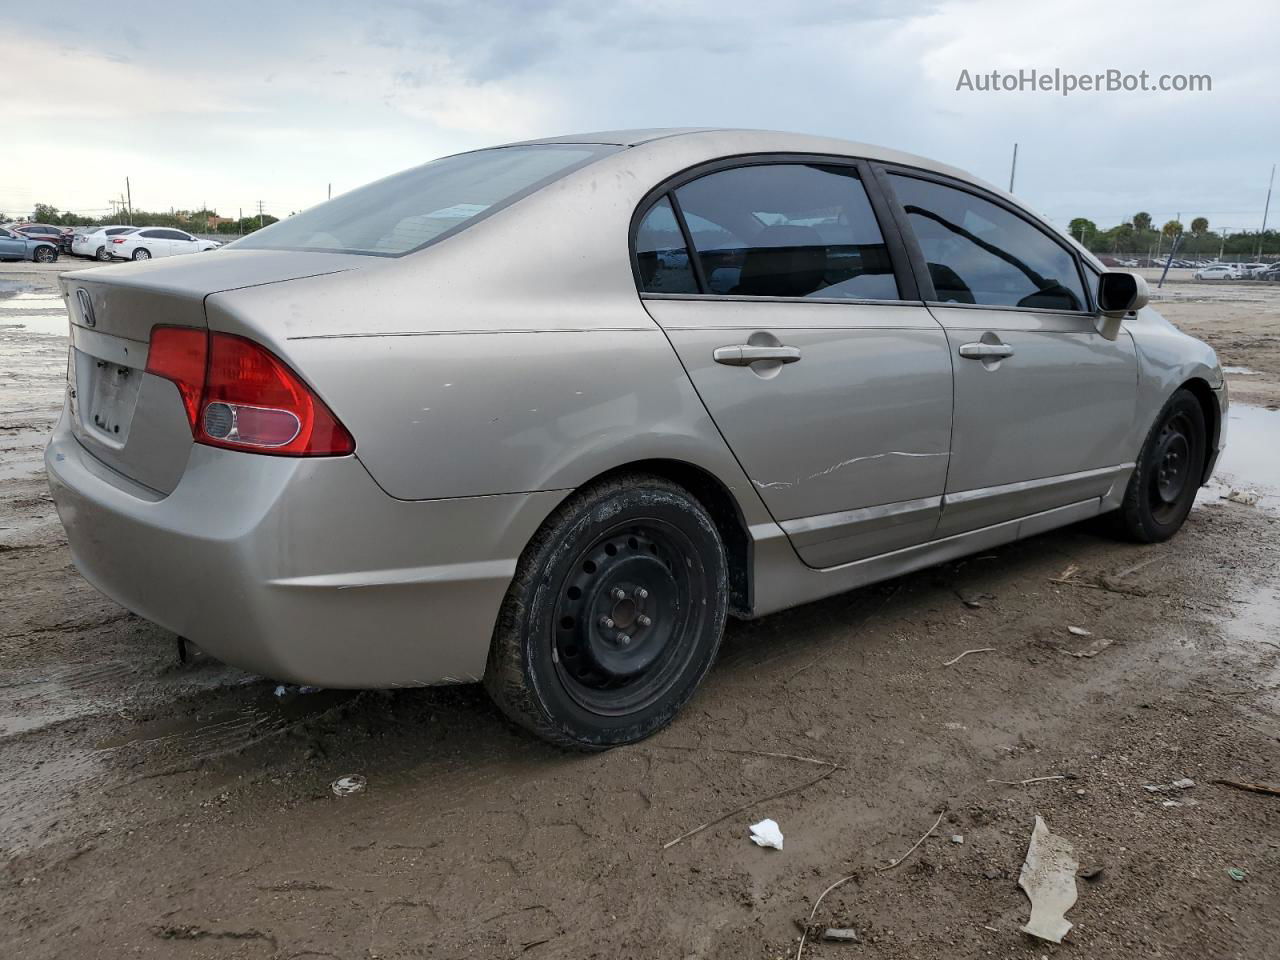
28, 311
1253, 628
1241, 371
1252, 458
32, 301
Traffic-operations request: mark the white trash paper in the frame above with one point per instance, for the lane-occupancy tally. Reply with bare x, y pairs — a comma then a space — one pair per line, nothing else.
766, 833
349, 785
1049, 878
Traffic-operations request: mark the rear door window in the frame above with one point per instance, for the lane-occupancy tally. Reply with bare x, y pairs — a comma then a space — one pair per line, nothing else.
788, 230
661, 255
978, 252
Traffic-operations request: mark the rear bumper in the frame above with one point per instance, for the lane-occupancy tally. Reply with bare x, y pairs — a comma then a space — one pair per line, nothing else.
299, 569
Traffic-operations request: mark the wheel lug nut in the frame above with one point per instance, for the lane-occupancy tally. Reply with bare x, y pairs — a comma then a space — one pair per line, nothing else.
624, 639
618, 594
641, 593
643, 620
606, 622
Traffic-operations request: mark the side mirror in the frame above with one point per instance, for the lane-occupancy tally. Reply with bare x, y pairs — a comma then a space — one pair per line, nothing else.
1119, 294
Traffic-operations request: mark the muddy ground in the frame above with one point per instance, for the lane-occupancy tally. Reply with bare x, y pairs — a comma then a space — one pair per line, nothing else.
149, 808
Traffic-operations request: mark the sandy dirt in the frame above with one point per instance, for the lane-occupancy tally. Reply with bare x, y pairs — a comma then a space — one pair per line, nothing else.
154, 809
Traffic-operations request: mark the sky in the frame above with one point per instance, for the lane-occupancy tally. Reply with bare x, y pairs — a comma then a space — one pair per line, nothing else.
229, 103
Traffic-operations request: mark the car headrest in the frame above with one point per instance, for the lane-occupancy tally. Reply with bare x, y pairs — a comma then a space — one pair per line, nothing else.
784, 260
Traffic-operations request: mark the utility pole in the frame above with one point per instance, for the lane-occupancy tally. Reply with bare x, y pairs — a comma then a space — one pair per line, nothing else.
129, 191
330, 197
1013, 167
259, 214
1266, 209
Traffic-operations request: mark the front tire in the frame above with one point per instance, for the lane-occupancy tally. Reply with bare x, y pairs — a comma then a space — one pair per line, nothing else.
142, 254
45, 255
1163, 485
614, 616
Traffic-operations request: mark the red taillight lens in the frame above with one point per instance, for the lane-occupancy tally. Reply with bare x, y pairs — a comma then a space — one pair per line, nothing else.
117, 239
181, 354
239, 395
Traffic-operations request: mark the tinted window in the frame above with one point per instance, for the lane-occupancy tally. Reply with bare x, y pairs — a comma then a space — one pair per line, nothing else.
6, 233
153, 234
175, 235
978, 252
408, 210
788, 230
114, 231
661, 255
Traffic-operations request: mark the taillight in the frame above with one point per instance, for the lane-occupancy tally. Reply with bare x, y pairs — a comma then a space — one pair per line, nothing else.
239, 395
181, 354
117, 239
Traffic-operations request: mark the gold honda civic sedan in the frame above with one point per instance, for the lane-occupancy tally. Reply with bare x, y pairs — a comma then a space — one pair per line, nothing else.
544, 415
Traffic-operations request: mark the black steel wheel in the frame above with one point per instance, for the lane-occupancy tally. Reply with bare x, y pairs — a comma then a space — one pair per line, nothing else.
1163, 485
614, 616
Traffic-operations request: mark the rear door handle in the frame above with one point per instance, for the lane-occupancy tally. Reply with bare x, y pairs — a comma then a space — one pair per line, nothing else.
745, 354
985, 351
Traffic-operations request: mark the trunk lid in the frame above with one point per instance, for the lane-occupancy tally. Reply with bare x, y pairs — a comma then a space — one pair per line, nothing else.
133, 422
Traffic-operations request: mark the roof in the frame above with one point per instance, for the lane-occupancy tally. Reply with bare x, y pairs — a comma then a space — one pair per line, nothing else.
737, 139
730, 141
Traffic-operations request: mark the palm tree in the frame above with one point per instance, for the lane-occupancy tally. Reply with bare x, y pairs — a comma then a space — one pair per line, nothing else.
1171, 229
1142, 221
1199, 226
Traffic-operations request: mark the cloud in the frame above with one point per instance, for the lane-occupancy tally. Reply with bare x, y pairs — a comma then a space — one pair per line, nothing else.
242, 100
70, 82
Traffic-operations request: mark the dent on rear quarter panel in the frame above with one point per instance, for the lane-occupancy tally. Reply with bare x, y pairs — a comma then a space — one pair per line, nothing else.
458, 415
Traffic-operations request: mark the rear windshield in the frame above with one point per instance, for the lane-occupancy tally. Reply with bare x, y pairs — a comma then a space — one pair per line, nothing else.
406, 211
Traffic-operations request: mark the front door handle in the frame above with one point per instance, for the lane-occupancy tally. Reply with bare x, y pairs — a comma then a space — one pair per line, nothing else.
745, 354
985, 351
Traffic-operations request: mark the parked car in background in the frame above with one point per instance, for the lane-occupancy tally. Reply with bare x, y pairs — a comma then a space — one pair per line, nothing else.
18, 246
1272, 272
589, 396
1250, 270
95, 242
45, 231
1218, 271
148, 243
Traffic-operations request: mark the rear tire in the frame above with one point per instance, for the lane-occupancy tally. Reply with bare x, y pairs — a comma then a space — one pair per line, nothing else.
1163, 485
614, 616
101, 255
141, 254
45, 255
